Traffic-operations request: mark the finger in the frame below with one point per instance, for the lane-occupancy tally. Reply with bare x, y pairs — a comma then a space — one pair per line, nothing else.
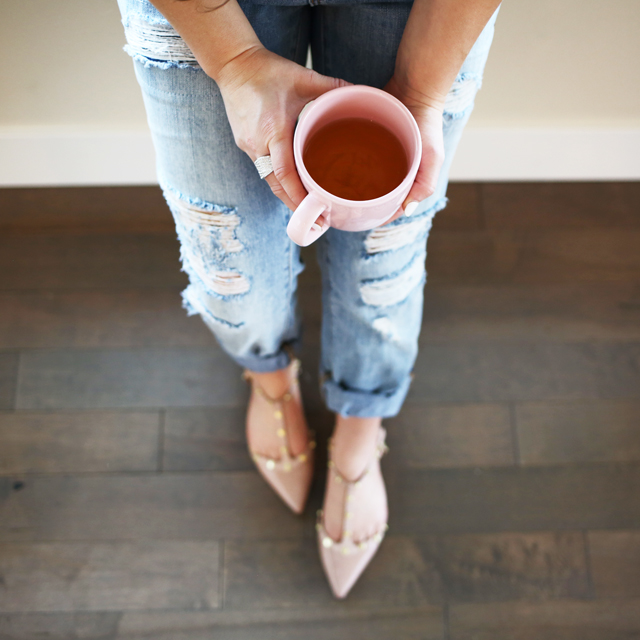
279, 192
426, 179
319, 84
274, 183
284, 169
396, 215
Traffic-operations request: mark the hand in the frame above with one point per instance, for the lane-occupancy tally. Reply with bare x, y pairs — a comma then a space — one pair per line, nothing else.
428, 115
263, 95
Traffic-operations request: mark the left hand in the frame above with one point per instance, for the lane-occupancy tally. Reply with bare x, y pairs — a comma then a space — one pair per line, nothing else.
428, 115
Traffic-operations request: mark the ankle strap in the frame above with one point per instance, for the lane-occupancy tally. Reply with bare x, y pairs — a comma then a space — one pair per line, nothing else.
381, 449
248, 376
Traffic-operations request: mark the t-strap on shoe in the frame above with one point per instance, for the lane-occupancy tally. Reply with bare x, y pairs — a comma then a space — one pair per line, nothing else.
289, 476
345, 559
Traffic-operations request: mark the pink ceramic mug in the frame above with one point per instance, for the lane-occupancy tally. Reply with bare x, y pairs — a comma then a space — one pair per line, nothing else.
356, 101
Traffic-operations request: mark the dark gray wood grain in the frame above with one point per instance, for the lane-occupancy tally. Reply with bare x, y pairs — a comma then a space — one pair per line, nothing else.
497, 372
119, 378
451, 436
81, 319
68, 210
413, 571
143, 506
60, 626
615, 563
205, 439
578, 205
77, 442
511, 499
557, 620
8, 380
512, 313
105, 576
534, 256
335, 622
463, 211
288, 574
507, 566
111, 261
584, 431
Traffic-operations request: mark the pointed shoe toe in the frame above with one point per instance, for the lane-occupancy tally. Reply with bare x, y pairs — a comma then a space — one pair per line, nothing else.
290, 479
344, 563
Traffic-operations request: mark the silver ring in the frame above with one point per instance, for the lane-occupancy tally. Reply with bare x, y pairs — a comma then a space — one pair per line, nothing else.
264, 166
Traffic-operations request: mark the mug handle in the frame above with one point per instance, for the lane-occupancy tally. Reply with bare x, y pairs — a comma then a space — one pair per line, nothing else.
300, 228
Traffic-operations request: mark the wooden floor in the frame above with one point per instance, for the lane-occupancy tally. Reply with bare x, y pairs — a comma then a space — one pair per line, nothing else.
129, 507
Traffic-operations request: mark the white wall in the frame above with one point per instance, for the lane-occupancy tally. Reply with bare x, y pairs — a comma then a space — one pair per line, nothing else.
561, 98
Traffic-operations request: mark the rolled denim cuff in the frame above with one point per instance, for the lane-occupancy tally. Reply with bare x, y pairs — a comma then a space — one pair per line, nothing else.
267, 364
362, 404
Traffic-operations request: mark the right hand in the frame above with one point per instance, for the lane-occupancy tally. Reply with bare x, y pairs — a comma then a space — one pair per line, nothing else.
263, 95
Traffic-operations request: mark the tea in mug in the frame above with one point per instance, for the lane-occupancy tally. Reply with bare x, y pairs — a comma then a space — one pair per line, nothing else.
355, 159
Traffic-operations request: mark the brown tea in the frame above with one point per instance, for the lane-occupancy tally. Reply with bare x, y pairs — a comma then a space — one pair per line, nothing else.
355, 159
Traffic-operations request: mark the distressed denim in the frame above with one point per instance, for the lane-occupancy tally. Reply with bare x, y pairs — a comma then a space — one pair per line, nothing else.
242, 267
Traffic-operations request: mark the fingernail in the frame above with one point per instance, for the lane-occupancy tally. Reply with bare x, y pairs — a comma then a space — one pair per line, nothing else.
410, 209
316, 227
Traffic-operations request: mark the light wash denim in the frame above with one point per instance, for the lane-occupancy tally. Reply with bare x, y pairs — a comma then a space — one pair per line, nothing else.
241, 264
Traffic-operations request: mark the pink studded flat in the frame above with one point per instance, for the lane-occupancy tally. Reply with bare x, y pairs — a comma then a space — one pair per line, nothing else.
289, 476
344, 560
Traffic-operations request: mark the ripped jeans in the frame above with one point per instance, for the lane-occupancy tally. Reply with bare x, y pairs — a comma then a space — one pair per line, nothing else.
241, 264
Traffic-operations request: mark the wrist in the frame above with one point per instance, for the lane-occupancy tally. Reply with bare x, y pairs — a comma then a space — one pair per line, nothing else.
416, 96
239, 66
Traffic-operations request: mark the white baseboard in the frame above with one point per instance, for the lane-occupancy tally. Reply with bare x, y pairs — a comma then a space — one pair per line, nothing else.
547, 154
51, 156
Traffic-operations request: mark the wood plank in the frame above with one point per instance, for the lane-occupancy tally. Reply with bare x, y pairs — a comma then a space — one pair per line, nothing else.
287, 574
136, 378
514, 499
123, 261
507, 566
205, 440
487, 372
60, 626
534, 256
584, 431
87, 319
335, 622
508, 313
8, 380
240, 504
412, 571
144, 506
452, 436
615, 563
84, 209
91, 576
579, 205
82, 319
557, 620
100, 441
462, 212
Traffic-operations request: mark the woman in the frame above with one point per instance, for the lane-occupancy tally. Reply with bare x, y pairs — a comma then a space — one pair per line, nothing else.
223, 83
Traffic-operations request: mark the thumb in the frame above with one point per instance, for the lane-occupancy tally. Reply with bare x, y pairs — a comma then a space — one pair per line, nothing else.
319, 84
426, 179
